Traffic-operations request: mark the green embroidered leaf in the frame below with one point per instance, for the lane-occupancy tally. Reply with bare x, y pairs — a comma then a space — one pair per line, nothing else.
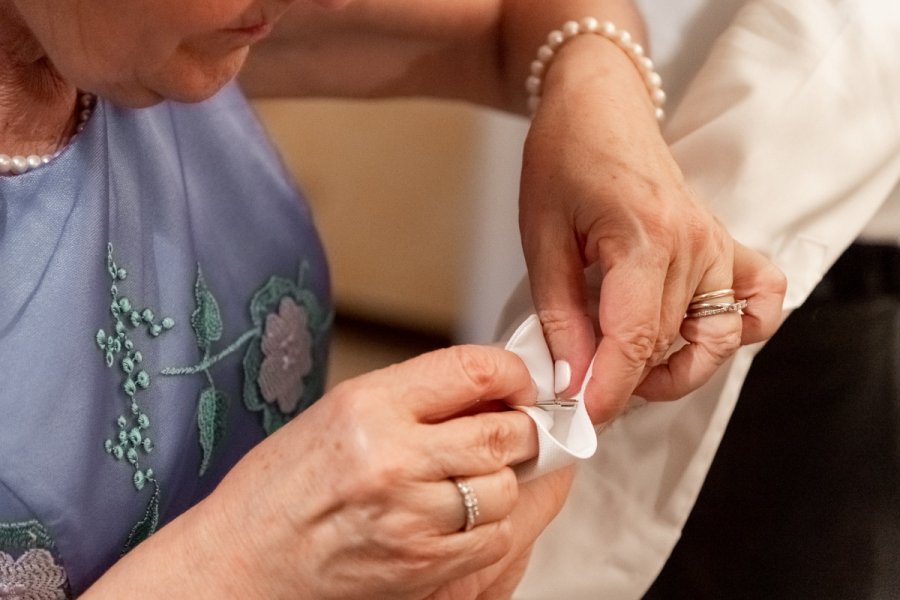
211, 411
146, 526
253, 359
25, 535
266, 299
206, 318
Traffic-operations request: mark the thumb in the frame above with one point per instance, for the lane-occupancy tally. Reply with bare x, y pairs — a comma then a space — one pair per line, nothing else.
558, 289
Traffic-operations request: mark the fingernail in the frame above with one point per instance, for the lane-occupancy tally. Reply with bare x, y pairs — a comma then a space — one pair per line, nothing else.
562, 376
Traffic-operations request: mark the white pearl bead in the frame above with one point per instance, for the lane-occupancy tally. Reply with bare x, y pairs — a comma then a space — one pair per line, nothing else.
545, 54
555, 38
659, 97
588, 25
623, 39
660, 114
19, 164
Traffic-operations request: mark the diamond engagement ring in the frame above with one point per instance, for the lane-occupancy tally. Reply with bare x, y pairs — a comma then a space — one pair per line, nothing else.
470, 502
701, 309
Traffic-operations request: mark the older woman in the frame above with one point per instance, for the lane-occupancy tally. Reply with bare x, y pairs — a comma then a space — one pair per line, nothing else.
165, 301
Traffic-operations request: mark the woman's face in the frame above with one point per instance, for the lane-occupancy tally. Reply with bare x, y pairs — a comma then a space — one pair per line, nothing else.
138, 52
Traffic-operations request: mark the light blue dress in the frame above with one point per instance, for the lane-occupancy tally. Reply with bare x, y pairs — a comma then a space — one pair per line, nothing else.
164, 304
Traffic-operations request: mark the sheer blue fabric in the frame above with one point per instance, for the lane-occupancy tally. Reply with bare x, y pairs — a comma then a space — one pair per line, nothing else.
171, 189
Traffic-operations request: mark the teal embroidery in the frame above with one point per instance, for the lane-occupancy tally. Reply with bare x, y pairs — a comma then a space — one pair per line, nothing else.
146, 526
286, 340
25, 535
132, 443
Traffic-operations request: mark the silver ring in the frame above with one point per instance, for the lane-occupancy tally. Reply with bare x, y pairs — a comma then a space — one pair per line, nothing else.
470, 502
716, 308
712, 295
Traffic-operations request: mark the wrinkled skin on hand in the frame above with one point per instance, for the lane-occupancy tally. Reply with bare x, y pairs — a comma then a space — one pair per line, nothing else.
539, 501
601, 189
352, 499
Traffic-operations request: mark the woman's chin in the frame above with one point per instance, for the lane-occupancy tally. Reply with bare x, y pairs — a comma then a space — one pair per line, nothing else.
189, 86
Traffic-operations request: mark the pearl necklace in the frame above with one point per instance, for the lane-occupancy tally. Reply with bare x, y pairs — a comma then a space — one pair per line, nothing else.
18, 164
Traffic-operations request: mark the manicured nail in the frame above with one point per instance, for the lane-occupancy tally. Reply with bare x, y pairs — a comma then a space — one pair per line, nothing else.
562, 376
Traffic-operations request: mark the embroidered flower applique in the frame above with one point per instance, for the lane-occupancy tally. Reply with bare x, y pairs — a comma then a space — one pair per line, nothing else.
33, 576
287, 346
286, 341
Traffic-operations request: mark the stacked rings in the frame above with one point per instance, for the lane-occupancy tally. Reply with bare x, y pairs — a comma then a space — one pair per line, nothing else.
701, 306
470, 502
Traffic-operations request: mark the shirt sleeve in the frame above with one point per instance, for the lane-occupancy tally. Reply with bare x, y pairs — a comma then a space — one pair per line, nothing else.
791, 129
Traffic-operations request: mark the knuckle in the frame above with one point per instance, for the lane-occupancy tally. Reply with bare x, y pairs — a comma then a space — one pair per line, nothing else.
349, 399
498, 438
557, 320
378, 478
509, 485
702, 233
778, 282
411, 566
661, 348
723, 346
638, 345
478, 367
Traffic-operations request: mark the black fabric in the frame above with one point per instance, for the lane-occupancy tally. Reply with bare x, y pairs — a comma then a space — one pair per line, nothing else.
803, 497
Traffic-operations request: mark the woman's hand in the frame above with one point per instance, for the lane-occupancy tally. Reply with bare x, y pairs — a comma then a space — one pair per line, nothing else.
354, 498
540, 500
599, 187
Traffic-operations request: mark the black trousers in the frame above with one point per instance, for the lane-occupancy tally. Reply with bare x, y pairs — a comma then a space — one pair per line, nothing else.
803, 498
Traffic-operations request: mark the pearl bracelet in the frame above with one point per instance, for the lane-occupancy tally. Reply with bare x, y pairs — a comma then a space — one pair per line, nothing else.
620, 37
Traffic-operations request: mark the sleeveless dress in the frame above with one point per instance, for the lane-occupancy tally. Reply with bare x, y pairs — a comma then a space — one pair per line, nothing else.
164, 305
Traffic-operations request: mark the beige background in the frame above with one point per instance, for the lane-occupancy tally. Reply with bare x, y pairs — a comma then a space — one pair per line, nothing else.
416, 204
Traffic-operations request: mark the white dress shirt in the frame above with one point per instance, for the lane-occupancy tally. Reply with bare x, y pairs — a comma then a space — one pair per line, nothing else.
790, 130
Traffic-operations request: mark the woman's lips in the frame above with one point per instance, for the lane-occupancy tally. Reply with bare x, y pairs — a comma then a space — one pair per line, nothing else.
245, 36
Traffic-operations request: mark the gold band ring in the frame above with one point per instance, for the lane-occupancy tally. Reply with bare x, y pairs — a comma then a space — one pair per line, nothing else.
712, 295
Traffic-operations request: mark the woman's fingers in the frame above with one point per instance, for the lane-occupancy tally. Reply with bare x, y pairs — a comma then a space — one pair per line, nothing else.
556, 274
629, 313
442, 383
480, 500
478, 444
711, 341
763, 285
713, 338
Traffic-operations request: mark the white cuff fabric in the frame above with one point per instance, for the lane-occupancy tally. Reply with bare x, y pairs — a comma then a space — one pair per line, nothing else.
564, 435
